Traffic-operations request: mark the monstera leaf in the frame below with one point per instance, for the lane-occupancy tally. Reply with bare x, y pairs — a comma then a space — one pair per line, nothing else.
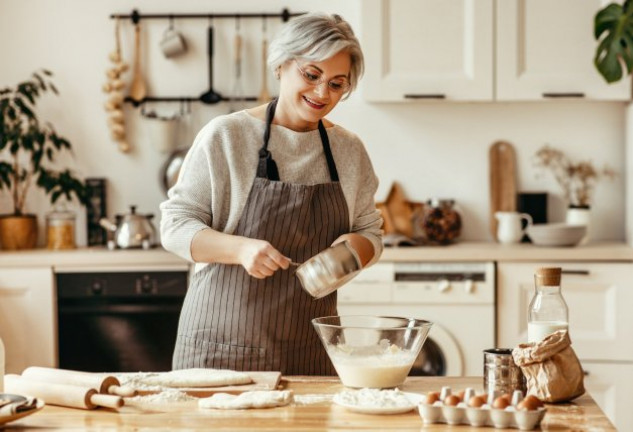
614, 24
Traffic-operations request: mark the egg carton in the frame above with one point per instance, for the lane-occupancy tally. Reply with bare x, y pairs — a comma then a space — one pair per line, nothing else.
486, 415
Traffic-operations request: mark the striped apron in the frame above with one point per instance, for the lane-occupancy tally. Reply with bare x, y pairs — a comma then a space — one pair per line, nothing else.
231, 320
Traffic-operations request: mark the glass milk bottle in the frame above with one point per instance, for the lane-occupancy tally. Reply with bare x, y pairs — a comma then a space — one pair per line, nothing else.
548, 311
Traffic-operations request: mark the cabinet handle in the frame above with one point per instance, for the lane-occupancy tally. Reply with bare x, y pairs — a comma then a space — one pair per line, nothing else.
564, 95
576, 272
425, 96
585, 372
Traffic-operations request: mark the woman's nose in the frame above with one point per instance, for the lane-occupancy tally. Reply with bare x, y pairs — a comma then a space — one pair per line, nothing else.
322, 89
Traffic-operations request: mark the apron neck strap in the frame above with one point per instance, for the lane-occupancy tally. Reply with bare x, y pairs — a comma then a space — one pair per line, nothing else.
267, 168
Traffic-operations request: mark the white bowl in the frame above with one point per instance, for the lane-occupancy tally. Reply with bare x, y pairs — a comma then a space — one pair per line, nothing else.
556, 234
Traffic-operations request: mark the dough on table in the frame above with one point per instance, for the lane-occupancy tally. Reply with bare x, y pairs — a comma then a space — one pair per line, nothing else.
196, 377
251, 399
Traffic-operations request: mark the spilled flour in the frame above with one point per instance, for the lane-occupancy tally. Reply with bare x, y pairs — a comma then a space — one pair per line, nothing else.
164, 397
373, 398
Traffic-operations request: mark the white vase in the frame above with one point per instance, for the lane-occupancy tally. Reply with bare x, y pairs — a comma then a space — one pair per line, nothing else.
580, 216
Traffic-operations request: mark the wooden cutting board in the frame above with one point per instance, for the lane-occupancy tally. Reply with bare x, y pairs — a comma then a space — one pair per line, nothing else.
503, 187
261, 381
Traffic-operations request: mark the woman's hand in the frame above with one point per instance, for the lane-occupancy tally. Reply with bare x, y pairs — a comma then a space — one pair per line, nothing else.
361, 245
260, 258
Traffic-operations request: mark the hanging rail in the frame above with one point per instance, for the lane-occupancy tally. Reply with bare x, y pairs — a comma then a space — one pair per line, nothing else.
135, 16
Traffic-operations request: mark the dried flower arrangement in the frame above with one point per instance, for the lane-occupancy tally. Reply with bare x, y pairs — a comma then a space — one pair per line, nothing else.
576, 179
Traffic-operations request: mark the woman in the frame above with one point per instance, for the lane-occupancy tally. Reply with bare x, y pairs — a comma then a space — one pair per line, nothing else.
261, 188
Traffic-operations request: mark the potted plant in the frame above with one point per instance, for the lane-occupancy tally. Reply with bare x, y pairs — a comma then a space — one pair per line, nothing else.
613, 28
577, 179
28, 149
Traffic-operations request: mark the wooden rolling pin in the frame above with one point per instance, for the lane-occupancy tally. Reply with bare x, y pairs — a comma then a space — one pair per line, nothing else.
103, 383
61, 394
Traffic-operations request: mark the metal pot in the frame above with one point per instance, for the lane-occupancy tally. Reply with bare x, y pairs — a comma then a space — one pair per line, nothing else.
131, 230
329, 269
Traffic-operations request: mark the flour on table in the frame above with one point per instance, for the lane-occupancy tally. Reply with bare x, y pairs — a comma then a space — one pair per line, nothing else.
197, 377
312, 399
252, 399
373, 398
164, 397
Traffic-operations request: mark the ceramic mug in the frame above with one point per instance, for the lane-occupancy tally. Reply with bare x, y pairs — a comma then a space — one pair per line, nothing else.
509, 228
172, 44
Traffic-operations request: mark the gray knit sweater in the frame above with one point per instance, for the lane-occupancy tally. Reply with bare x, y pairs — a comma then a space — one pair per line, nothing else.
219, 169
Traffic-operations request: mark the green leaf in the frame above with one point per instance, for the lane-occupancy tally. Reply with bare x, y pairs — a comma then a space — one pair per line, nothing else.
613, 26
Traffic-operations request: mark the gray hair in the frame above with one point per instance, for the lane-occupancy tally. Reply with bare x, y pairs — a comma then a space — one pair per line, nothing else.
317, 36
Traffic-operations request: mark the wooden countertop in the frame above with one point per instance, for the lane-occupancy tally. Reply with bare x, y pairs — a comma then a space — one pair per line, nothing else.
97, 257
581, 415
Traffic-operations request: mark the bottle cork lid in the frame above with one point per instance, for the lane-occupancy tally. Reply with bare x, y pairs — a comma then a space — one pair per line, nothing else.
549, 275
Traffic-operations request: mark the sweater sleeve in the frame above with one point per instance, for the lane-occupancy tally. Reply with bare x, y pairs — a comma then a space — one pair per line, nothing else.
367, 219
187, 209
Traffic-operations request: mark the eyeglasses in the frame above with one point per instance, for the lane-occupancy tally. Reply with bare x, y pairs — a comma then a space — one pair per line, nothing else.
314, 77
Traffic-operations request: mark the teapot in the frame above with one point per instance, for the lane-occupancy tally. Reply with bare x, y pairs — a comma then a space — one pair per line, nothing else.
131, 230
509, 228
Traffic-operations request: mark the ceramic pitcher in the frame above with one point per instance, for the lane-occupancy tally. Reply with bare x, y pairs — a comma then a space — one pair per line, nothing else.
509, 228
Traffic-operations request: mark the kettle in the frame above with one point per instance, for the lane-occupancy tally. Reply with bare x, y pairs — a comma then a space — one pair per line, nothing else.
131, 230
509, 228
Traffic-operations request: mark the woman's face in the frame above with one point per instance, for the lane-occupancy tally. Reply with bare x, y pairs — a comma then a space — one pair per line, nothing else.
309, 90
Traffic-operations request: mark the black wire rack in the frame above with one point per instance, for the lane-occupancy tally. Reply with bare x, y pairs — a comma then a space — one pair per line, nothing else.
135, 16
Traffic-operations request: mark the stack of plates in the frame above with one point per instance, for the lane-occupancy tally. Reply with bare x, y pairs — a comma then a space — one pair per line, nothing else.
556, 234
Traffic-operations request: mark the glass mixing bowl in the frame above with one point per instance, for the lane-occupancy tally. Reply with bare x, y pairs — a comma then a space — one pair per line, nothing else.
372, 351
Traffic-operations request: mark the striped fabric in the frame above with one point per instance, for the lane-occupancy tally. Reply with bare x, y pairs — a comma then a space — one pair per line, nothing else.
231, 320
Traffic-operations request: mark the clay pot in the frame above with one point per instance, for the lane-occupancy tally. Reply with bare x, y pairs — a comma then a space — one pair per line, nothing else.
18, 232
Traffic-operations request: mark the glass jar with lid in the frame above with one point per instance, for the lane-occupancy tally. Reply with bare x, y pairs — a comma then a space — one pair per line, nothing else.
60, 229
441, 222
548, 311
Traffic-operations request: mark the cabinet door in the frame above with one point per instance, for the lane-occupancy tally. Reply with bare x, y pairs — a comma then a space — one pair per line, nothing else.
599, 297
27, 323
545, 49
610, 385
427, 49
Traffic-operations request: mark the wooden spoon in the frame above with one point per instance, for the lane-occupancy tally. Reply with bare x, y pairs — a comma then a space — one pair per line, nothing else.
137, 88
264, 94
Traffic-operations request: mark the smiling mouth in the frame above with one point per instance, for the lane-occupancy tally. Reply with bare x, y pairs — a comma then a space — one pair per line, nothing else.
313, 104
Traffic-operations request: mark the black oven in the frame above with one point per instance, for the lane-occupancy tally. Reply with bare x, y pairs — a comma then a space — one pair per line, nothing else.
120, 321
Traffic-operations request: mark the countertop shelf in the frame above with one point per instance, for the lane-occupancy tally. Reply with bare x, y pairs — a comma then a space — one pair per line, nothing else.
458, 252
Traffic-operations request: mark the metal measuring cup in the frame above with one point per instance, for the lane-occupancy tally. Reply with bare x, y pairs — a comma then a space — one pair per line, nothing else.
329, 269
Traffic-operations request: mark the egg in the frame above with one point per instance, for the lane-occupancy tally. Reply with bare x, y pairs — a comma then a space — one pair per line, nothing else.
452, 400
460, 394
476, 402
432, 397
530, 403
501, 402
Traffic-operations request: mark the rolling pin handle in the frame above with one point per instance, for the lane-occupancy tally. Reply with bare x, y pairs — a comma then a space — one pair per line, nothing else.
122, 391
107, 401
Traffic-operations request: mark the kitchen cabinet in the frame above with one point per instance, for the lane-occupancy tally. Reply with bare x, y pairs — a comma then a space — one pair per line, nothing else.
427, 49
610, 386
599, 296
545, 49
509, 50
27, 321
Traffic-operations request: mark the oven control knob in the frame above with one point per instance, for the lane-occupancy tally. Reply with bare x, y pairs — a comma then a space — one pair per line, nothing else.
443, 286
469, 286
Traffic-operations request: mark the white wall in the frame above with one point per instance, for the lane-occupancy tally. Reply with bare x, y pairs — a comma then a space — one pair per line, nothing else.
432, 149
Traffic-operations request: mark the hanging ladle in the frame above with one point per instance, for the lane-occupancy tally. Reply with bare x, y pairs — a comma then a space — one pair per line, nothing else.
210, 96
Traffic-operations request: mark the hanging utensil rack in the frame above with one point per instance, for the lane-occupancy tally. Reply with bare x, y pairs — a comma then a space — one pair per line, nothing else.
136, 16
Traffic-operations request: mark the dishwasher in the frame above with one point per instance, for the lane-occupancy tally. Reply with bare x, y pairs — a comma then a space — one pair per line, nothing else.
119, 320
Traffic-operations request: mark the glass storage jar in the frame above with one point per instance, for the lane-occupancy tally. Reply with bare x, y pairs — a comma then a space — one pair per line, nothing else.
60, 229
441, 222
